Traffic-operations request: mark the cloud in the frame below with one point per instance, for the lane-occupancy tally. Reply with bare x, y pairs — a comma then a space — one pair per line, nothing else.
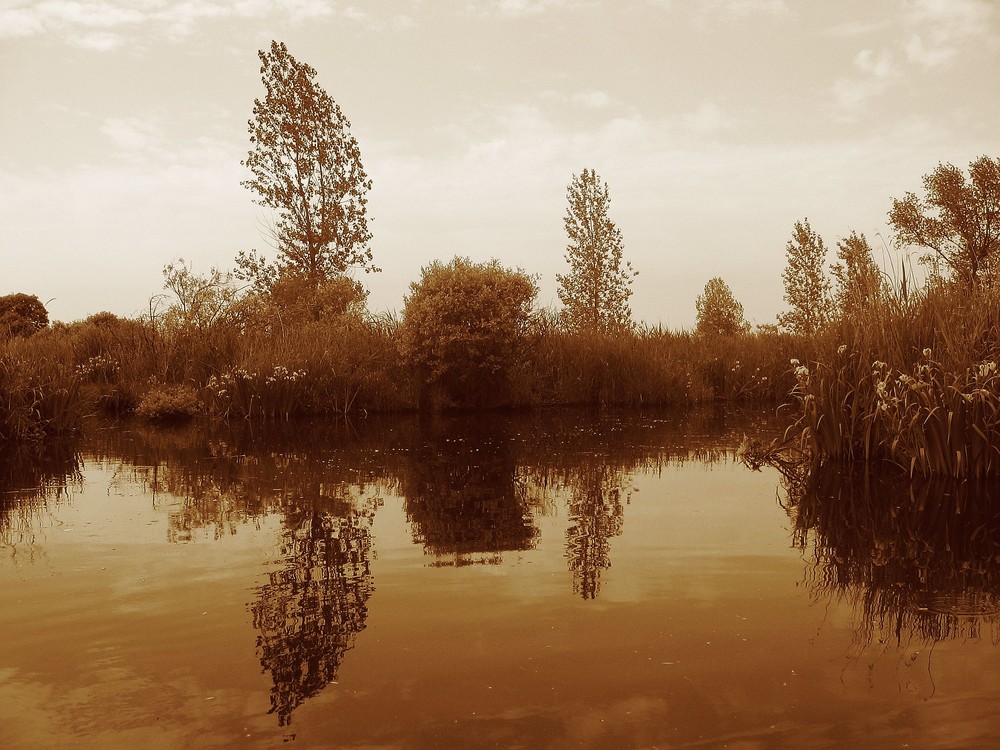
592, 99
876, 74
940, 29
102, 25
518, 8
744, 8
707, 119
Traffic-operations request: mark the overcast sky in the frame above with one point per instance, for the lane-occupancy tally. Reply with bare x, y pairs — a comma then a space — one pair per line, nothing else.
717, 124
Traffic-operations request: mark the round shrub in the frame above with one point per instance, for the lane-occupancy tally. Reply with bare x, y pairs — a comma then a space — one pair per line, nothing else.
464, 326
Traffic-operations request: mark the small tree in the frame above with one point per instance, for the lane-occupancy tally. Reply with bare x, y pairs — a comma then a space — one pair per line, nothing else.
199, 300
464, 325
306, 166
21, 315
807, 289
596, 290
718, 312
860, 282
958, 220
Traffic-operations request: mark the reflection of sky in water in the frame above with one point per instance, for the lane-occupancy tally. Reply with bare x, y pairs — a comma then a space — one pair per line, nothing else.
261, 574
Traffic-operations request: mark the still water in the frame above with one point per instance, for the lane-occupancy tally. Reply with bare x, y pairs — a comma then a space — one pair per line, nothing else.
549, 580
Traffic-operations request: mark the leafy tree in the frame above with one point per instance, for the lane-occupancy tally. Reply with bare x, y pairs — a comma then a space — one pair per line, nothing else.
296, 299
464, 325
21, 315
307, 167
958, 220
859, 280
199, 300
718, 312
596, 290
807, 289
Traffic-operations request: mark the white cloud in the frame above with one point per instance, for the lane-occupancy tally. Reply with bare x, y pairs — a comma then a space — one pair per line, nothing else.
101, 24
876, 74
707, 119
744, 8
940, 29
519, 8
592, 99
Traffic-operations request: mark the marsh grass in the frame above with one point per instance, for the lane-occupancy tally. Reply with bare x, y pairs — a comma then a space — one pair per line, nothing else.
914, 385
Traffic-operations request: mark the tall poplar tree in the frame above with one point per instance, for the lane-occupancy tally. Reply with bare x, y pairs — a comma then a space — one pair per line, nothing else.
860, 282
807, 288
596, 290
307, 167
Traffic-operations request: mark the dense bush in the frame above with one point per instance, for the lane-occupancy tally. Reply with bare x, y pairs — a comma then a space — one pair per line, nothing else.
21, 315
464, 329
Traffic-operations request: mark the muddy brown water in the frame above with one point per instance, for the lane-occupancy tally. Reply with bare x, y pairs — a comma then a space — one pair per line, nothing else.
551, 580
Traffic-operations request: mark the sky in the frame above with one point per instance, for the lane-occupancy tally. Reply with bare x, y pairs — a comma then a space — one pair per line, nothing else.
717, 124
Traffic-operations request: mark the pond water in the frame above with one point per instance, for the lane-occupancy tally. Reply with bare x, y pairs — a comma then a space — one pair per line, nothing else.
550, 580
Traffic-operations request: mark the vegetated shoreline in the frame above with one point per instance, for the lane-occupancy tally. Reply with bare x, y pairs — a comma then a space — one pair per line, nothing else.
908, 383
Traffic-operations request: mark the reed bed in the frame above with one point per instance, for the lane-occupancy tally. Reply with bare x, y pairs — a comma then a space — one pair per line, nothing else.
915, 386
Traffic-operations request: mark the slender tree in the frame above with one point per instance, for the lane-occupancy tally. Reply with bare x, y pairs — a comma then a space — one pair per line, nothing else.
718, 312
859, 281
596, 290
306, 166
807, 289
958, 220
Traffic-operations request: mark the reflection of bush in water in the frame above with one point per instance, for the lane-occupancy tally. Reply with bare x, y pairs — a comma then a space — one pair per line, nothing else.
916, 559
462, 492
30, 483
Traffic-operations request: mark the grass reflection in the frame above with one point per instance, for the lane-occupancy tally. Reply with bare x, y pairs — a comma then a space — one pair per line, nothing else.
917, 559
30, 484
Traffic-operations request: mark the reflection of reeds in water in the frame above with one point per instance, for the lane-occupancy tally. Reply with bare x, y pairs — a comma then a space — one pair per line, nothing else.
917, 560
30, 483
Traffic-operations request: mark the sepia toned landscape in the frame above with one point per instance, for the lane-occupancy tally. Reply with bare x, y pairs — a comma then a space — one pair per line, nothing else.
515, 505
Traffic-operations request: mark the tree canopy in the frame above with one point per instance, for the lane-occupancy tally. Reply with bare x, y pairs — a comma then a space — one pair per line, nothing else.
957, 220
859, 281
807, 289
718, 312
306, 166
21, 315
596, 290
464, 325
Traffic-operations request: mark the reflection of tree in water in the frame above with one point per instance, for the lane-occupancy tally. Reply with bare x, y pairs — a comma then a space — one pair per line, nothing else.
917, 560
595, 516
312, 608
322, 483
463, 494
29, 483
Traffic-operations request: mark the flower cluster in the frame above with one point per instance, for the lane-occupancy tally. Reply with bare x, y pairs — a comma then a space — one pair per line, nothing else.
97, 368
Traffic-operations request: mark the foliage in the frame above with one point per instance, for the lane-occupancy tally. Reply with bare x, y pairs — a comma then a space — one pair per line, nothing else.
39, 390
306, 166
914, 385
860, 282
294, 299
21, 315
464, 325
958, 220
597, 288
807, 290
169, 403
718, 312
199, 301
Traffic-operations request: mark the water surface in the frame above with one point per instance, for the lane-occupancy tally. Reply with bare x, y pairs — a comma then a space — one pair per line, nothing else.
551, 580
